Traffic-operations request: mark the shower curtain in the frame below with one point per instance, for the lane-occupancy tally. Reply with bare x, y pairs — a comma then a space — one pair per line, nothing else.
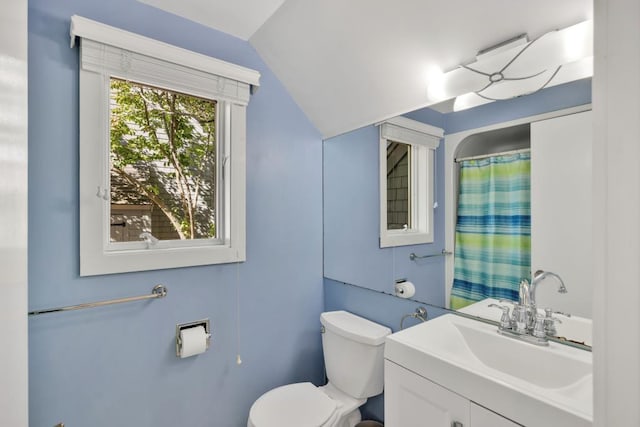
493, 229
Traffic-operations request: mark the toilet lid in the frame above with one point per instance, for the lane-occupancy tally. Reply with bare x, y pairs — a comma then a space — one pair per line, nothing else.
293, 405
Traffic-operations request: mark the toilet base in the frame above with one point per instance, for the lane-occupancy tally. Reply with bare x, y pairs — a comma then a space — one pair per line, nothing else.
352, 419
348, 412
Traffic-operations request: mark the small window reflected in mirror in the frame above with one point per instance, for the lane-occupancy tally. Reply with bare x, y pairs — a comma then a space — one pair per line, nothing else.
398, 185
163, 160
406, 181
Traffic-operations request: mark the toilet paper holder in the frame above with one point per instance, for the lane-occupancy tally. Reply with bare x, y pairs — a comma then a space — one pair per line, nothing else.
182, 326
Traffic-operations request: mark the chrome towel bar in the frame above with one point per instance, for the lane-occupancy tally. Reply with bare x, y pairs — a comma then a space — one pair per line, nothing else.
159, 291
414, 257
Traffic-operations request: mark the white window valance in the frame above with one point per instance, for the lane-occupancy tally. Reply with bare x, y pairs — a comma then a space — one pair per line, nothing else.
130, 56
407, 131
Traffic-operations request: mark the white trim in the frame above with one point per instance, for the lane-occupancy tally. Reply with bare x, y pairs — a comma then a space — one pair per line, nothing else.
451, 144
486, 156
408, 136
415, 125
131, 66
105, 34
236, 215
14, 242
616, 206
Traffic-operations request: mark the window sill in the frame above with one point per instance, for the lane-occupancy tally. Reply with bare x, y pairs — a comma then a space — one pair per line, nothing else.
404, 238
121, 261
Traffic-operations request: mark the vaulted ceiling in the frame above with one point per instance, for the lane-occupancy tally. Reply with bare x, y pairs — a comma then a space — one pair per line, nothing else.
349, 63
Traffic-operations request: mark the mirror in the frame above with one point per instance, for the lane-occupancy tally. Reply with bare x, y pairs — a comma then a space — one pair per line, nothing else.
351, 251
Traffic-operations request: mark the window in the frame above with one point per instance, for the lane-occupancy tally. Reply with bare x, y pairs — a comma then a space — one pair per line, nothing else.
162, 153
399, 169
406, 181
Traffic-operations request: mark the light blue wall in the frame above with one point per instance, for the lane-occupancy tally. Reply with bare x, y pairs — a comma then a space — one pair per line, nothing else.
116, 366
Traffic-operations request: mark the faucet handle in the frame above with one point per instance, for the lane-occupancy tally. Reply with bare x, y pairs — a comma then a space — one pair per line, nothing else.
549, 315
539, 328
550, 321
520, 319
505, 320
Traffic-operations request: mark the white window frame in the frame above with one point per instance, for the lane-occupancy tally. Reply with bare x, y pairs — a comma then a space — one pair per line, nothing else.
107, 52
424, 139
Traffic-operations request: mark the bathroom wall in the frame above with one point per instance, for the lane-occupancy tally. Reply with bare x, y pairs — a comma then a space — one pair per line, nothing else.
116, 365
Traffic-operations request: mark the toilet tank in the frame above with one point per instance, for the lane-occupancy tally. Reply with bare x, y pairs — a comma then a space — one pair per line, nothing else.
353, 353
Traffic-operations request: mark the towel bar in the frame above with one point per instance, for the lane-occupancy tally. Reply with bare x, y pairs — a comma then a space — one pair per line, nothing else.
414, 257
159, 291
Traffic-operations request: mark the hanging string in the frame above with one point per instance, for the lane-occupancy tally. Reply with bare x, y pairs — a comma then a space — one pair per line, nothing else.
238, 358
105, 111
435, 179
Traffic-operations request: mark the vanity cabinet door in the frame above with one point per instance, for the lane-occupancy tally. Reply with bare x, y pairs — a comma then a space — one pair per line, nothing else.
413, 401
482, 417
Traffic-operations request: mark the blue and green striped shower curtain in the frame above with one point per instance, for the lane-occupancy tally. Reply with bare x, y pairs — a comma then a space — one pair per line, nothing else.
493, 230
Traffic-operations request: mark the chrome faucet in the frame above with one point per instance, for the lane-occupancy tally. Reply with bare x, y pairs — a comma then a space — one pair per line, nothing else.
525, 322
527, 294
538, 277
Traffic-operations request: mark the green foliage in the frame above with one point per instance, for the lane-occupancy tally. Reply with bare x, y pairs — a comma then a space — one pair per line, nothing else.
163, 152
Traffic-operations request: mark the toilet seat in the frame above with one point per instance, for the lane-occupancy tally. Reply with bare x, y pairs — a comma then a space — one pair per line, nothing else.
292, 405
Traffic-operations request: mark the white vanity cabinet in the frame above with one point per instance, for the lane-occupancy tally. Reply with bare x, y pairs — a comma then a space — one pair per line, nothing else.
453, 369
411, 400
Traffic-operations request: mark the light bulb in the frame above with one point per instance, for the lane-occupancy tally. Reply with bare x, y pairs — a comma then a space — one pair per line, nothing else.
435, 88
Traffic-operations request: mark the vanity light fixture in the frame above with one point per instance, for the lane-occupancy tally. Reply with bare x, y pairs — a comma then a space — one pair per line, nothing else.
517, 67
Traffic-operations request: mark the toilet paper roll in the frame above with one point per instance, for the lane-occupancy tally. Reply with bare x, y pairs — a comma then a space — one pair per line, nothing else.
405, 289
194, 341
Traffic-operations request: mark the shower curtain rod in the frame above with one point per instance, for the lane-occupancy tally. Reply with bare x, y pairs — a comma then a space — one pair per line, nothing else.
484, 156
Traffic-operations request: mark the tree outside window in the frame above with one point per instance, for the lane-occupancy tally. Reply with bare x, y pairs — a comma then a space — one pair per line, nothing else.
163, 163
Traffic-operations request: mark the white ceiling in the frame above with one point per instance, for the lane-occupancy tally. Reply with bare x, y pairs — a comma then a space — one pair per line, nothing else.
350, 63
240, 18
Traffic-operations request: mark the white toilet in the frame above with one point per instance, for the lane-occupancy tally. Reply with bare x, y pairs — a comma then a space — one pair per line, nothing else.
354, 359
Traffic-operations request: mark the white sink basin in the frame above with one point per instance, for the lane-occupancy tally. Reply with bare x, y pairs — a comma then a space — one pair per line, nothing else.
575, 328
532, 385
530, 363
